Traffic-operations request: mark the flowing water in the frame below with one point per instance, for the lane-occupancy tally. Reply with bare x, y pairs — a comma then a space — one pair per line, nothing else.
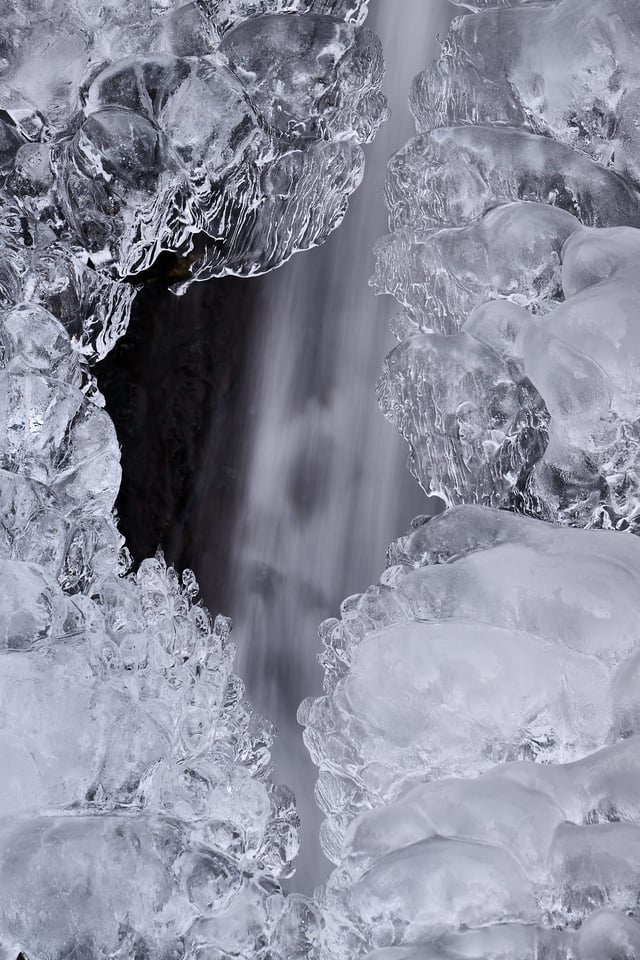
325, 481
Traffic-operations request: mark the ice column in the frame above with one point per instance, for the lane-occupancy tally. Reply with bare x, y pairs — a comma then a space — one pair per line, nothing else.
138, 815
479, 738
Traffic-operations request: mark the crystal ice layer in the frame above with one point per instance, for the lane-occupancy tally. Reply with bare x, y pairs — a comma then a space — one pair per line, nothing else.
478, 738
138, 814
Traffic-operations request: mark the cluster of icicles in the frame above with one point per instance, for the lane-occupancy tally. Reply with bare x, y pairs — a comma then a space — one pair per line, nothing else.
138, 816
479, 740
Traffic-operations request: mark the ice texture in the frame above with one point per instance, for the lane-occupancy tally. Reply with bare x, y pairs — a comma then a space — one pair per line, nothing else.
515, 231
478, 739
478, 742
232, 151
530, 400
138, 812
554, 69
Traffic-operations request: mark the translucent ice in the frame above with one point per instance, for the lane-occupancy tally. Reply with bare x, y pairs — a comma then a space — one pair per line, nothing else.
446, 637
36, 269
439, 274
132, 141
537, 409
455, 174
281, 146
547, 67
138, 816
494, 638
508, 385
137, 812
70, 41
478, 739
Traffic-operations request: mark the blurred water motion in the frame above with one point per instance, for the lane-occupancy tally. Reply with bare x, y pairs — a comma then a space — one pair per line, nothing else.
252, 444
326, 483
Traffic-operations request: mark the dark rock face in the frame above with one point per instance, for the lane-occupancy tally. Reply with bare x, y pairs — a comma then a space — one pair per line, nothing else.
173, 386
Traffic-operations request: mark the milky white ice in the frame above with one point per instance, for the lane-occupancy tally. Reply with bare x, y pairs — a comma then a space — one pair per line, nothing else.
477, 743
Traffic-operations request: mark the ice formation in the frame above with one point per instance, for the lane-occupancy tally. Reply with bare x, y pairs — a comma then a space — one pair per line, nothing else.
508, 387
107, 140
478, 739
137, 811
138, 815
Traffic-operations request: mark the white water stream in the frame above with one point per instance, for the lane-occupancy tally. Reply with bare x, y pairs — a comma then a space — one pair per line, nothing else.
326, 482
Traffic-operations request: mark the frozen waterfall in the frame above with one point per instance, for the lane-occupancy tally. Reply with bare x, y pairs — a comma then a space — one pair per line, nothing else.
477, 738
317, 437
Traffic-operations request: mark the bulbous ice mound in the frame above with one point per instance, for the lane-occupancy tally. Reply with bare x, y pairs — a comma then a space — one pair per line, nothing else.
549, 68
71, 41
492, 639
232, 153
531, 401
37, 269
137, 813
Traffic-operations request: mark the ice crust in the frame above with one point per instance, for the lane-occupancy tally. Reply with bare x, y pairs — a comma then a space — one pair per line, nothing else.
478, 739
138, 813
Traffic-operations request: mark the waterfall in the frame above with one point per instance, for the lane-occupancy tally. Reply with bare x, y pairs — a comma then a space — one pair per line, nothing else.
326, 484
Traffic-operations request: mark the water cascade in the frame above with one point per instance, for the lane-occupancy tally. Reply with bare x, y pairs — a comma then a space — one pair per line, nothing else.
321, 460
